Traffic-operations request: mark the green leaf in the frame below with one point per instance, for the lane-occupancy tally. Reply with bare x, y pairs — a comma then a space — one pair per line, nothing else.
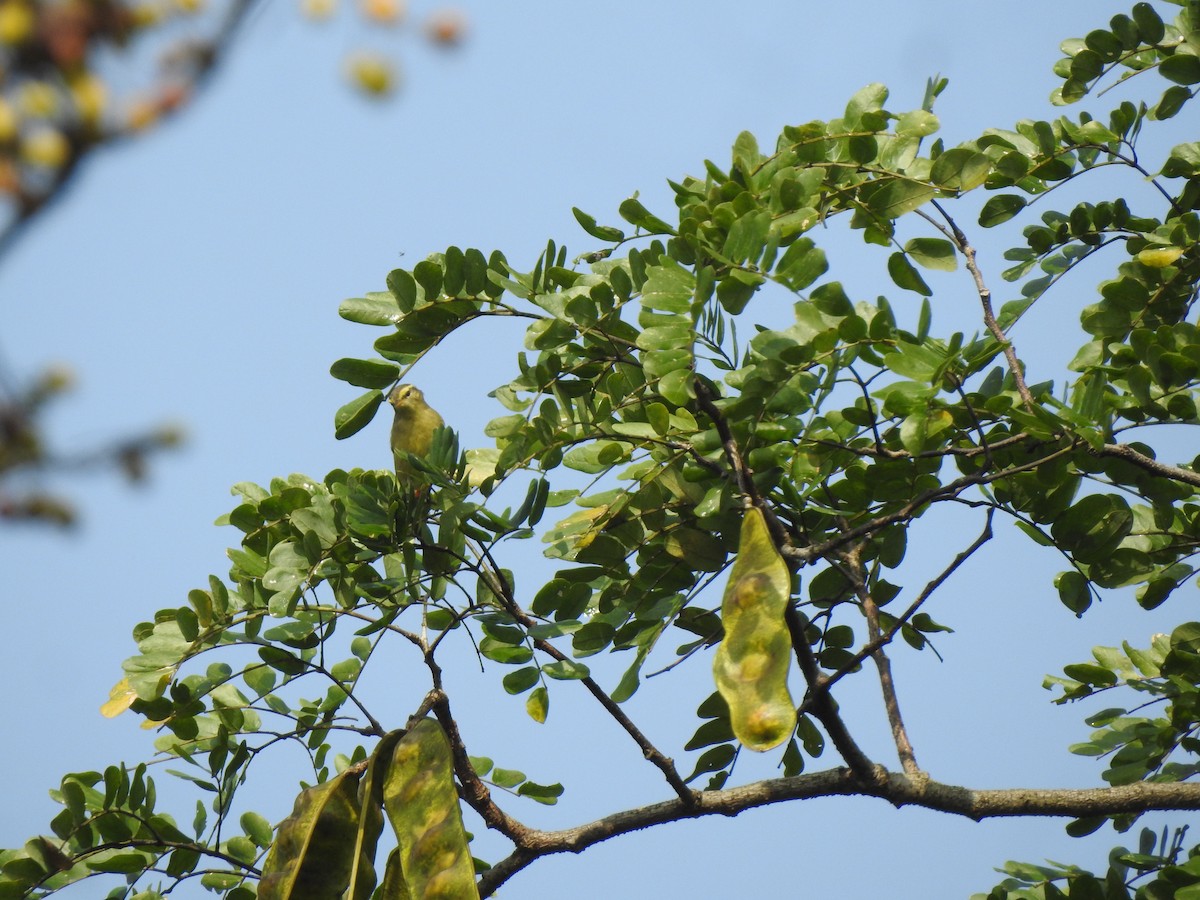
635, 214
961, 169
375, 309
918, 123
933, 253
1149, 23
537, 704
801, 264
713, 759
520, 680
891, 198
905, 275
1000, 209
565, 670
1074, 591
1093, 527
356, 415
602, 232
669, 287
507, 778
546, 794
1182, 68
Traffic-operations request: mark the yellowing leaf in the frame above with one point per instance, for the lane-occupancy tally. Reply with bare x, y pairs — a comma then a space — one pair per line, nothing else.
120, 698
1159, 257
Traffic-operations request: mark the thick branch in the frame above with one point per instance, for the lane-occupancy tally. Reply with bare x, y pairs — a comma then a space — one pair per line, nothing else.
1127, 453
896, 788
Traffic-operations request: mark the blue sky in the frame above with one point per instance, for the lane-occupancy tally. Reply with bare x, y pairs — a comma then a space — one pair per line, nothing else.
194, 276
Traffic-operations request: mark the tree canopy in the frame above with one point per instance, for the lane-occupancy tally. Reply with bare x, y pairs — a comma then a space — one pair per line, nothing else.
716, 444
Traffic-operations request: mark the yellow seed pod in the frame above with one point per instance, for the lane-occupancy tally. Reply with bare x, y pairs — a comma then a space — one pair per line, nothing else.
752, 662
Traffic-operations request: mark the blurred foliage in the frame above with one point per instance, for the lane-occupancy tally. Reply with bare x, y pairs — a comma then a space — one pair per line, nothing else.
25, 456
696, 403
76, 75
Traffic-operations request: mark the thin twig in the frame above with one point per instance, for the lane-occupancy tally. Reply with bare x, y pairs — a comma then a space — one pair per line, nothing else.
852, 558
985, 299
888, 636
820, 703
651, 753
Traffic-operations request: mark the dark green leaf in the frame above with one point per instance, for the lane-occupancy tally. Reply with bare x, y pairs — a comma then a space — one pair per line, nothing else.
635, 214
906, 275
356, 415
602, 232
1000, 209
367, 373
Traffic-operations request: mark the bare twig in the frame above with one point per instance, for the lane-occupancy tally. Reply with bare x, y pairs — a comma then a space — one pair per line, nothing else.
852, 559
985, 299
651, 753
821, 704
888, 636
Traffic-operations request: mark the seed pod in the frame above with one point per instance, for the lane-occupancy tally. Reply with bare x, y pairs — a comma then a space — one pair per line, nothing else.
752, 661
422, 804
313, 854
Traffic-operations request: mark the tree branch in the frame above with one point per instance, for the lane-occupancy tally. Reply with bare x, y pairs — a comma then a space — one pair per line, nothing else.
894, 787
663, 762
1127, 453
822, 705
989, 317
891, 702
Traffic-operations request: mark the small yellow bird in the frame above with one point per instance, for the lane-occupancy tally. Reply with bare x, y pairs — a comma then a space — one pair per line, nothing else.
413, 427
